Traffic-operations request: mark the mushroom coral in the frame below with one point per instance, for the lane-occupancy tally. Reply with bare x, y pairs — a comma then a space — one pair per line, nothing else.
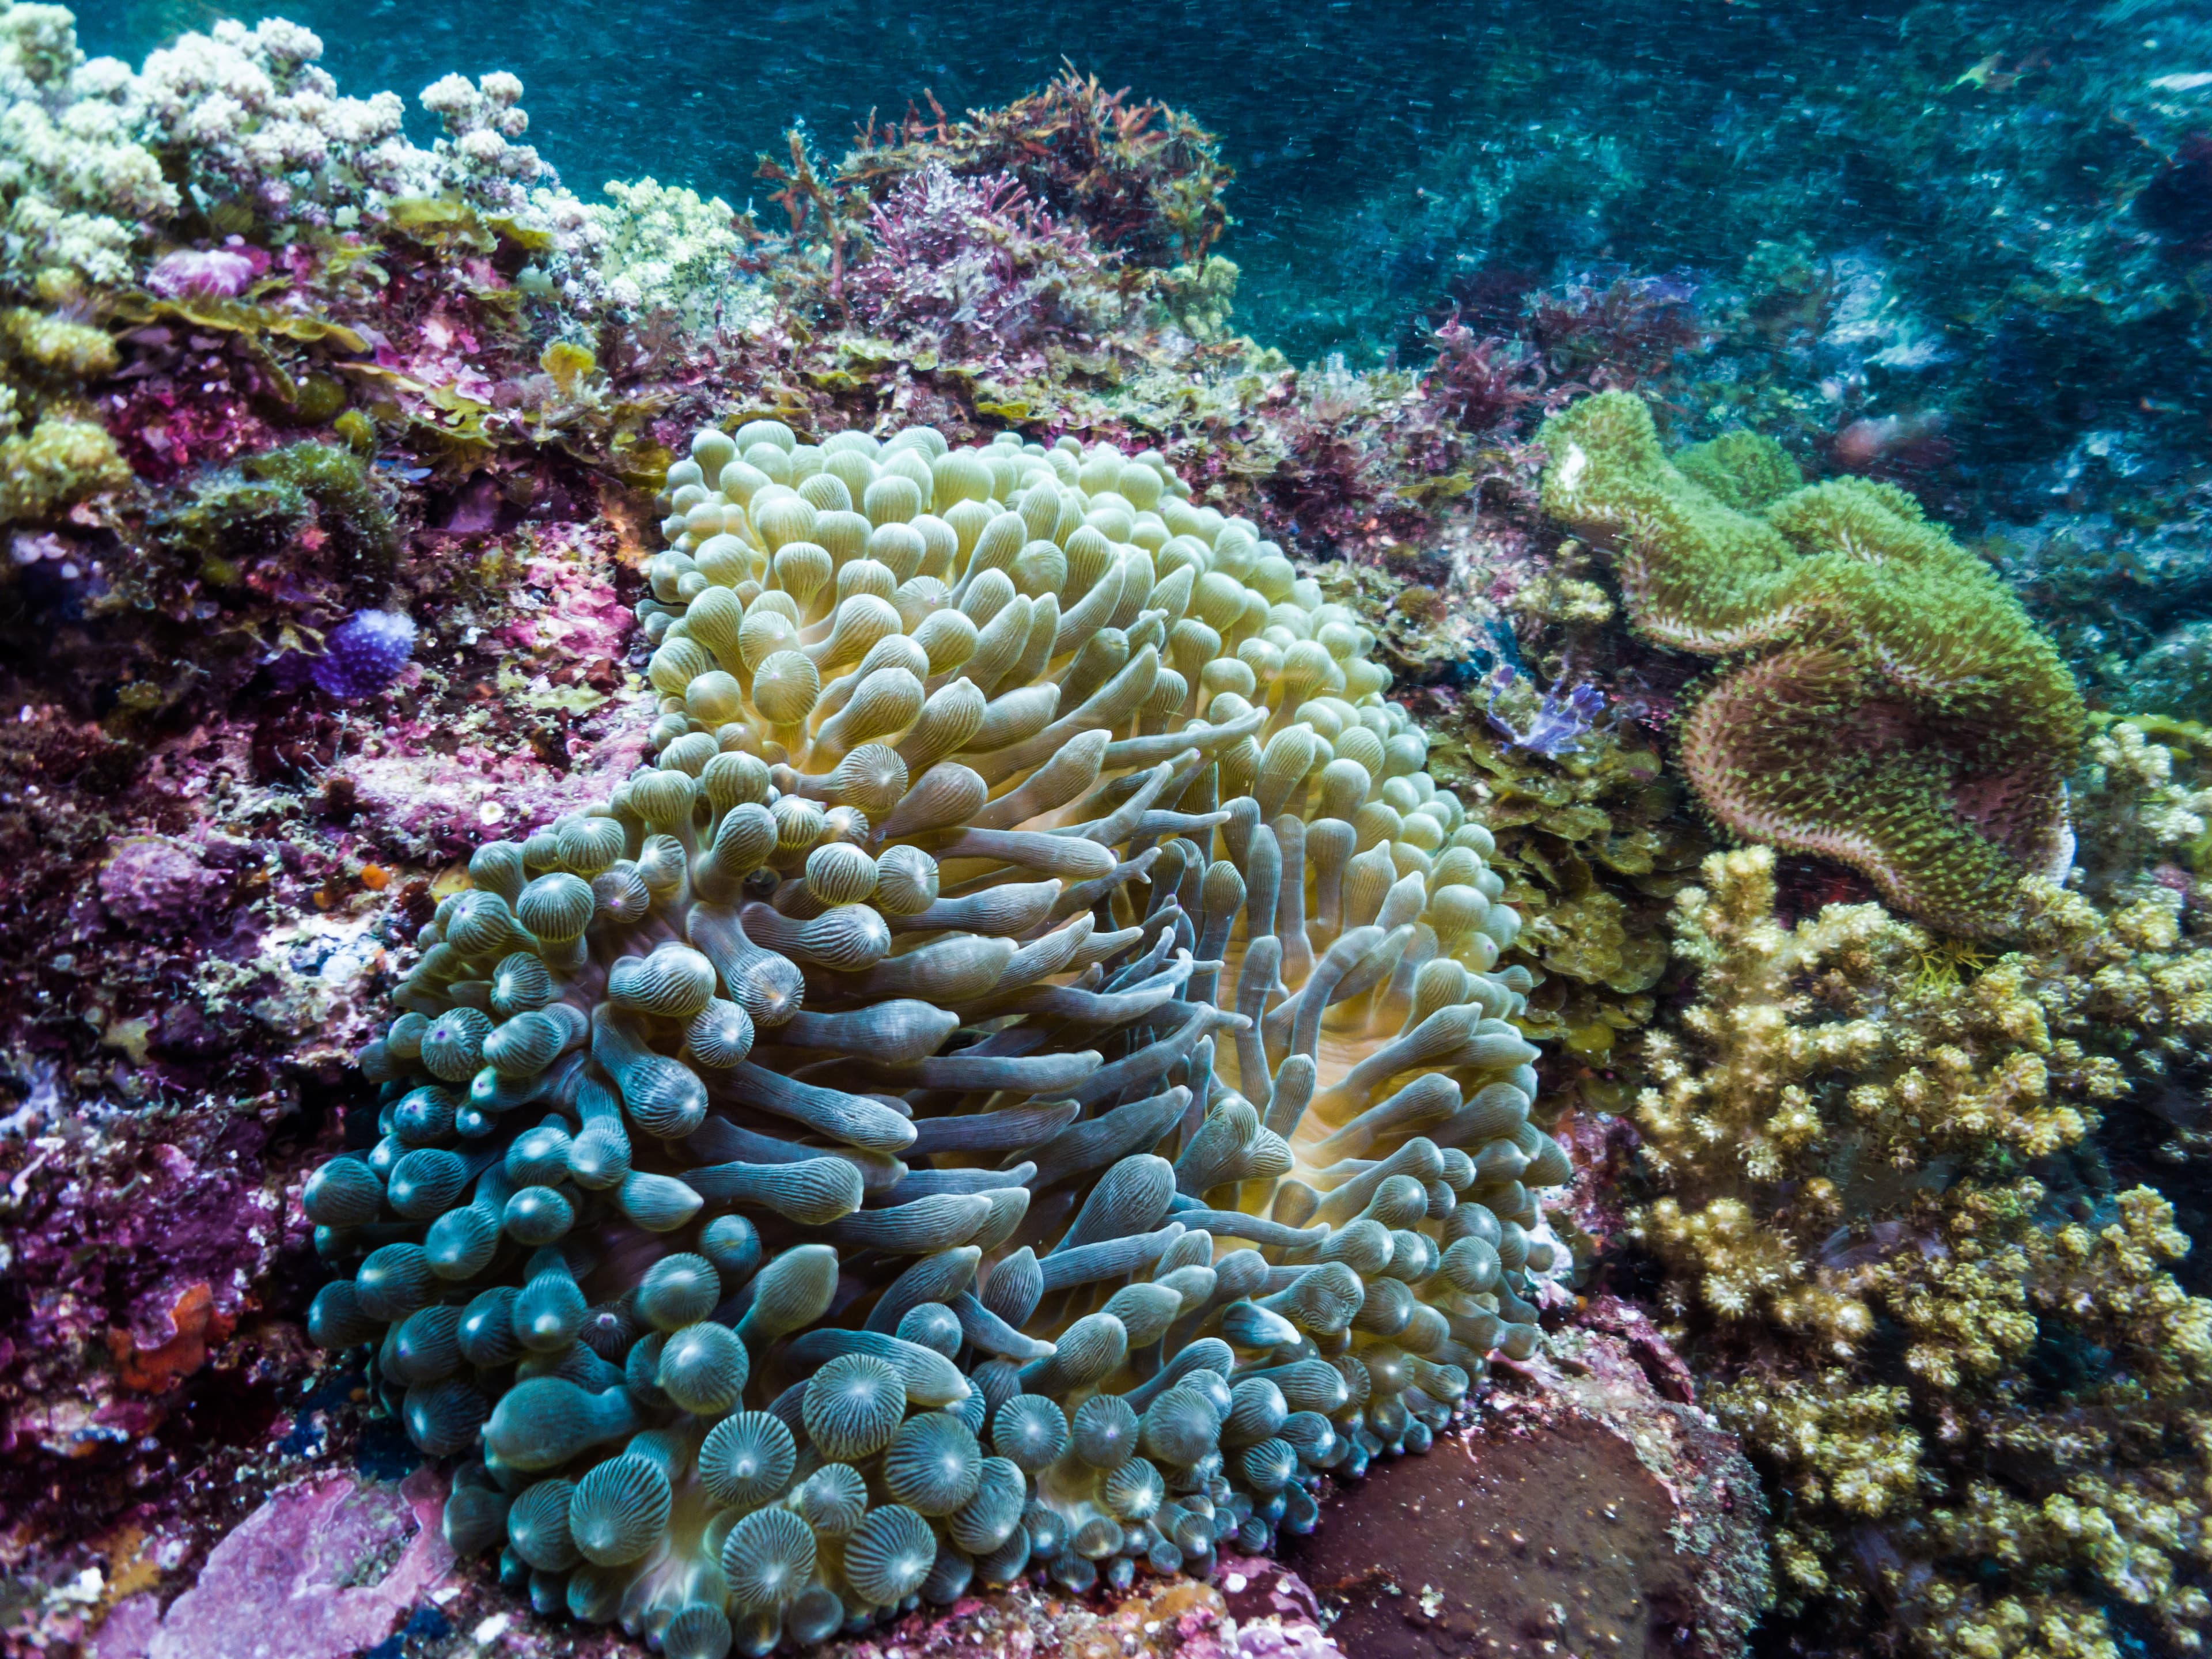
1887, 703
1021, 1081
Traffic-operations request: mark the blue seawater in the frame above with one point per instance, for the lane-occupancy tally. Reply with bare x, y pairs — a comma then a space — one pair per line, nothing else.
1363, 135
1964, 245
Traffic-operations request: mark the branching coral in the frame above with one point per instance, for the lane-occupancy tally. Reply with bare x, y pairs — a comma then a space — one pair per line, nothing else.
76, 190
57, 464
52, 453
2144, 805
1987, 1403
226, 133
250, 119
661, 248
1020, 1081
254, 126
1896, 711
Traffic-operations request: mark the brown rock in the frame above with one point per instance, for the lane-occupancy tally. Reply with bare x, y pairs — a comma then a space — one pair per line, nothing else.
1584, 1515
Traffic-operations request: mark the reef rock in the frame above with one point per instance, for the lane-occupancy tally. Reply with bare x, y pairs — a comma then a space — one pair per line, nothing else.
1599, 1513
301, 1577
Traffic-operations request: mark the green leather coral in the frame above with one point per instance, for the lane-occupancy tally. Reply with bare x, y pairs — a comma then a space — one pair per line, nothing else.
1885, 701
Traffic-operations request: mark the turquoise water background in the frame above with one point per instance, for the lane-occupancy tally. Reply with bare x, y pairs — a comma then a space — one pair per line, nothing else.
1966, 247
1359, 131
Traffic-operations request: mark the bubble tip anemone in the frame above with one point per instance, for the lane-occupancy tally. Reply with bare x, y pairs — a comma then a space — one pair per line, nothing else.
1018, 1082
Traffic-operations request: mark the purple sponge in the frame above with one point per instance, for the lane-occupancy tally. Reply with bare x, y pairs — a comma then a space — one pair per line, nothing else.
366, 652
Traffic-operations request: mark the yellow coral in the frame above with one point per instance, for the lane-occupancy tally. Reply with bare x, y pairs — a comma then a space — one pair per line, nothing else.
2014, 1627
57, 464
57, 345
1839, 1125
1933, 1057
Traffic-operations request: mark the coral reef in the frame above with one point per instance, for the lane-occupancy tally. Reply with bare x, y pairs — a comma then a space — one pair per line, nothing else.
329, 1563
711, 1361
1001, 892
1893, 710
1855, 239
218, 132
337, 581
1983, 1398
52, 455
2142, 800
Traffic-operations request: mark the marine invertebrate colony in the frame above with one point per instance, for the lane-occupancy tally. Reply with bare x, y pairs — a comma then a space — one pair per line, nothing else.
1893, 708
366, 653
1022, 1080
52, 453
1983, 1394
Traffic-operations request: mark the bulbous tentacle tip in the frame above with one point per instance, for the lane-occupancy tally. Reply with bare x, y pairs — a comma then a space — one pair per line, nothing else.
767, 1560
853, 1405
619, 1510
890, 1554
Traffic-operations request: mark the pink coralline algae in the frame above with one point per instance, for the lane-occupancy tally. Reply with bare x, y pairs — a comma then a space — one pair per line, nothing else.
367, 652
298, 1579
143, 1256
435, 805
154, 884
214, 274
1271, 1639
580, 625
1274, 1615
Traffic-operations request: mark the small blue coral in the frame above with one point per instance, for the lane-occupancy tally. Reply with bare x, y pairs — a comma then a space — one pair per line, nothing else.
1558, 723
368, 651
